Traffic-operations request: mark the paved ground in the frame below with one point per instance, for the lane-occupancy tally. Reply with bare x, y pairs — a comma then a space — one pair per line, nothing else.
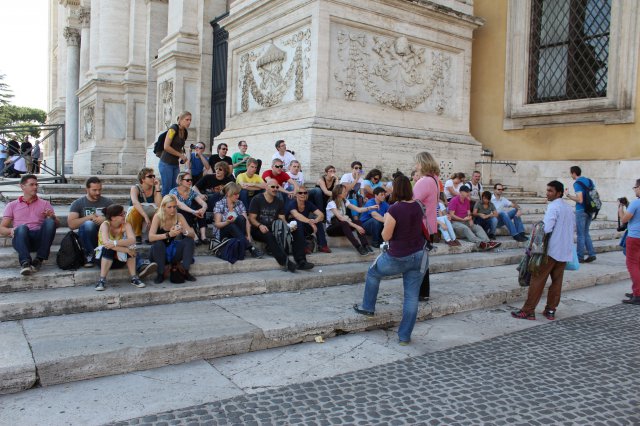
580, 370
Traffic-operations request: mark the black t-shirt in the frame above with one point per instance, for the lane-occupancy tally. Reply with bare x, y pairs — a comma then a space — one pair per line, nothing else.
309, 207
267, 212
215, 158
210, 183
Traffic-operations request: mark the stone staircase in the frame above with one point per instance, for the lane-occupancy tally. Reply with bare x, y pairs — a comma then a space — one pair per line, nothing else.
57, 329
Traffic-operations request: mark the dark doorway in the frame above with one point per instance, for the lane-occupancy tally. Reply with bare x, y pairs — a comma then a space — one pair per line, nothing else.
218, 79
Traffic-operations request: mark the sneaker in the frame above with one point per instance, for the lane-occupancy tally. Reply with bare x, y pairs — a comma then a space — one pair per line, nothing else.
25, 268
403, 342
305, 266
189, 277
362, 311
581, 260
101, 284
484, 246
520, 314
36, 264
423, 298
363, 251
589, 259
256, 252
457, 243
159, 279
629, 295
325, 249
135, 281
147, 269
549, 314
450, 243
369, 248
89, 262
491, 236
635, 300
494, 244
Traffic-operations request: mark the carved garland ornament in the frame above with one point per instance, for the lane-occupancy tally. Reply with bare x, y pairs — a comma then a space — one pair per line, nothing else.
88, 118
273, 84
396, 72
166, 100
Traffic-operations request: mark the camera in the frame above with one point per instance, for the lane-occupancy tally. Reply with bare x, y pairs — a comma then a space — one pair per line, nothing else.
192, 146
624, 201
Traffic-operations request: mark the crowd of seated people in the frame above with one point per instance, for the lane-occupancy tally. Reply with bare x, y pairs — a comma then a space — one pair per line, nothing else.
236, 202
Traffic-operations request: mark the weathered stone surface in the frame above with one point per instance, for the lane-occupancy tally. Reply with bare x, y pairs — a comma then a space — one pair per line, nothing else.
17, 368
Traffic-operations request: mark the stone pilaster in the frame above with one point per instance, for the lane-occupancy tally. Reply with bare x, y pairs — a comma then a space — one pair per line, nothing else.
71, 104
85, 46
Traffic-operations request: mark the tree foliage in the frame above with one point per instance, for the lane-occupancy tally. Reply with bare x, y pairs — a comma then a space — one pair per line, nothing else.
12, 115
5, 92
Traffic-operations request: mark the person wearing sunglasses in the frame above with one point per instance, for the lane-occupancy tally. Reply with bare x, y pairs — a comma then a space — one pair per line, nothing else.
264, 210
309, 218
371, 181
116, 246
145, 197
212, 185
321, 194
277, 172
188, 201
198, 162
353, 182
222, 150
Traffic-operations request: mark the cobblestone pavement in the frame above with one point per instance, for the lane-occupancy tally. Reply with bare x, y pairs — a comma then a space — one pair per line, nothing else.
581, 370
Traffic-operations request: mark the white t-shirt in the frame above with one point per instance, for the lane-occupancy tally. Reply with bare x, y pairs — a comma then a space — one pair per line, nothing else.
299, 178
348, 178
287, 158
332, 205
449, 184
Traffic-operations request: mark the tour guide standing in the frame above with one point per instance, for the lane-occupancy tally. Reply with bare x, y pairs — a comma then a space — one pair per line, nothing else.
582, 185
559, 221
169, 165
403, 230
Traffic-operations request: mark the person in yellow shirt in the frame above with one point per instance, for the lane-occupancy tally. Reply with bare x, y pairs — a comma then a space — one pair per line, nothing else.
251, 182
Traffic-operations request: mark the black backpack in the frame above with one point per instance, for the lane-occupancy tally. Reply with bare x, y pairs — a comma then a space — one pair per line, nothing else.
158, 147
70, 255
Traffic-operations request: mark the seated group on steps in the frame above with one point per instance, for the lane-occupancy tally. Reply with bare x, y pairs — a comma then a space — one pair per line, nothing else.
275, 209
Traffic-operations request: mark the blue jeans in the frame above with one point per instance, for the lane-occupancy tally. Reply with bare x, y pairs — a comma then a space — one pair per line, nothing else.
246, 199
88, 233
168, 176
25, 241
583, 222
386, 265
511, 221
374, 228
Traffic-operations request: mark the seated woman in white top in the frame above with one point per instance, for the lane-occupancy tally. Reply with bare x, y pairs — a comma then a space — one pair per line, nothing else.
452, 186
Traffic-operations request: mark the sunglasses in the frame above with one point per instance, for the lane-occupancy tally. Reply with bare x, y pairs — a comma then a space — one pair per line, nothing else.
636, 187
150, 176
219, 170
302, 193
273, 186
188, 180
223, 149
358, 168
499, 189
279, 167
199, 147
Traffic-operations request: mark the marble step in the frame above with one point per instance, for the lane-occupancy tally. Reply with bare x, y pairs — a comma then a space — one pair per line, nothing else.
61, 349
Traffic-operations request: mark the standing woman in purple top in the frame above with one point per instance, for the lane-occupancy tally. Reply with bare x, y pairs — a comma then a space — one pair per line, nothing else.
403, 230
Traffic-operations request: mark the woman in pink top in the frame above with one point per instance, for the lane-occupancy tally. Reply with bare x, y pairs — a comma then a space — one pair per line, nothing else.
427, 190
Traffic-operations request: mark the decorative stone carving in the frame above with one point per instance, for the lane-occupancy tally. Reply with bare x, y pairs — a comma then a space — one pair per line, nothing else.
84, 15
166, 103
72, 36
273, 84
394, 72
88, 119
446, 169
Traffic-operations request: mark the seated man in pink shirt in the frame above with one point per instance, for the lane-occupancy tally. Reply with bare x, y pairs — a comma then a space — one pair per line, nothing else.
31, 223
460, 209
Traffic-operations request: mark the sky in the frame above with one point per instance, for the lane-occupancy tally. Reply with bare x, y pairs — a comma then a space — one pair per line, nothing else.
24, 51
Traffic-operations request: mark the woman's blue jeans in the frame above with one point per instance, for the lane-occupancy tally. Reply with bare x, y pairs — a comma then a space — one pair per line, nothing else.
168, 176
409, 267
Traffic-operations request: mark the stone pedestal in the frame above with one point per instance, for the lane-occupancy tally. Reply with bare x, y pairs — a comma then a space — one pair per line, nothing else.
346, 80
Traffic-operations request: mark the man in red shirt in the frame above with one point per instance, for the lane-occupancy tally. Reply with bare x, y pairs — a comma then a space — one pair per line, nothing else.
462, 221
31, 223
276, 172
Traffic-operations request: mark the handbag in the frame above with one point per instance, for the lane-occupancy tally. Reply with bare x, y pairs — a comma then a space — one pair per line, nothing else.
176, 273
574, 265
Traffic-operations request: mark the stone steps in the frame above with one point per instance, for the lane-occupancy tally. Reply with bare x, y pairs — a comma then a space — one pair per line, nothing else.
60, 349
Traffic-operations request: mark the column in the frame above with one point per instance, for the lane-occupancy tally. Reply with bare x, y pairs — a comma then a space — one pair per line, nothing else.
85, 46
71, 104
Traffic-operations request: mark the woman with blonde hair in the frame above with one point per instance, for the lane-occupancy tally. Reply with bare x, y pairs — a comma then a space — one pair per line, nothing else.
427, 191
172, 238
173, 153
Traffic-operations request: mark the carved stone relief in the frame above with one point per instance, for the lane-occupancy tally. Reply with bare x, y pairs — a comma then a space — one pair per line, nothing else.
88, 120
166, 104
392, 71
269, 61
446, 169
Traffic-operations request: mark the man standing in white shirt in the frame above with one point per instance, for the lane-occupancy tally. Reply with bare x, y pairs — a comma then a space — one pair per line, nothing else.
282, 154
508, 215
560, 222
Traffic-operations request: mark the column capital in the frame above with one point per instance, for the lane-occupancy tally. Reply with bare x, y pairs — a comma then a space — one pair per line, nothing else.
84, 15
72, 35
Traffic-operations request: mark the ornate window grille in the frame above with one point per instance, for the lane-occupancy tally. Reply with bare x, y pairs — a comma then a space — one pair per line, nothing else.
569, 50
